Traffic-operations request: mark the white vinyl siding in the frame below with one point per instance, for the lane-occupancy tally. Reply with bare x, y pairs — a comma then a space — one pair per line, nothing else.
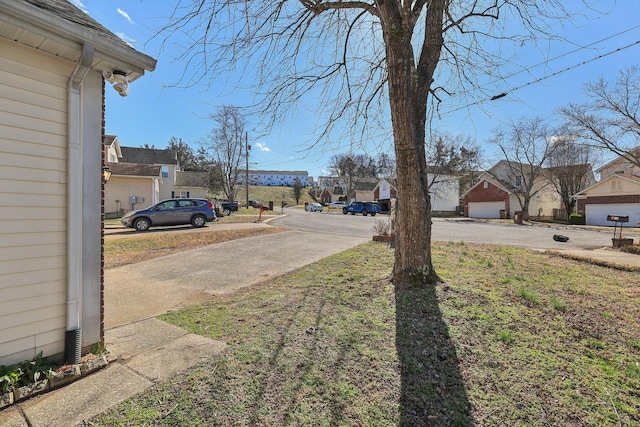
32, 202
121, 188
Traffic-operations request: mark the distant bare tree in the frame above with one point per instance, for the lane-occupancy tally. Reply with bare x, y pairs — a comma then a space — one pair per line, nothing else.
525, 147
386, 166
454, 156
226, 143
569, 169
367, 60
611, 120
345, 168
297, 189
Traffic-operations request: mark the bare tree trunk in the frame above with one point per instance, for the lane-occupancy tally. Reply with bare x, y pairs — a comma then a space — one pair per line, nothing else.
408, 91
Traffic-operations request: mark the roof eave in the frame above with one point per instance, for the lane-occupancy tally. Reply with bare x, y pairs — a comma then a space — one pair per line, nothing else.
73, 35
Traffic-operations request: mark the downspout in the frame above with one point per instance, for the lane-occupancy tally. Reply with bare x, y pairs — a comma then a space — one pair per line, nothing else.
73, 334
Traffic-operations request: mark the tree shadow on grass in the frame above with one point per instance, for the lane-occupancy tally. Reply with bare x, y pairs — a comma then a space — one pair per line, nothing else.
432, 389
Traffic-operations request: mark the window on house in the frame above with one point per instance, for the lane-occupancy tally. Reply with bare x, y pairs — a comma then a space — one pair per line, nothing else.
165, 171
616, 185
485, 184
518, 180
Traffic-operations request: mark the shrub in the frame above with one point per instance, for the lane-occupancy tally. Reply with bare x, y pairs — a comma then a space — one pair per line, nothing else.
577, 219
382, 227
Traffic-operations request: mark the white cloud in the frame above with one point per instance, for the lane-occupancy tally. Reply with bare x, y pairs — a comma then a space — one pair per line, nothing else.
125, 38
79, 5
126, 16
263, 147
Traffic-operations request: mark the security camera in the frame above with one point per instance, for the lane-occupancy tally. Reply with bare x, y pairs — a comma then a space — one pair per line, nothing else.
122, 88
119, 81
120, 77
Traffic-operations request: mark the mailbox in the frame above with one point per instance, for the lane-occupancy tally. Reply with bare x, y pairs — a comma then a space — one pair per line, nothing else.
617, 218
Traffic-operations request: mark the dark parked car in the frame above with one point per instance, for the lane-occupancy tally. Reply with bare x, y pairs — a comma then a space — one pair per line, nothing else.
228, 207
196, 212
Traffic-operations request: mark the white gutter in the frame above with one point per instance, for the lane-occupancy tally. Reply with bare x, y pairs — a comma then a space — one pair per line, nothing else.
73, 340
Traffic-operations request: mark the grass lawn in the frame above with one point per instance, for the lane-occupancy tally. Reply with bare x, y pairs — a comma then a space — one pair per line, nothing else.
512, 338
141, 247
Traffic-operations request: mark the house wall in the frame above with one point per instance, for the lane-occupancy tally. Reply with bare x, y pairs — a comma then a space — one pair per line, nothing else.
384, 191
621, 165
445, 195
167, 183
197, 192
123, 187
33, 203
541, 205
614, 187
364, 196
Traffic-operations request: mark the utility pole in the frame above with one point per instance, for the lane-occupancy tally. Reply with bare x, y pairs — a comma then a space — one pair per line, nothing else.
246, 172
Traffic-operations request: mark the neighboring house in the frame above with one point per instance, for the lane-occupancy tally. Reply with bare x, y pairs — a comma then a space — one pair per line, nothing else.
191, 184
499, 191
332, 194
274, 178
621, 165
617, 194
363, 189
488, 199
330, 181
52, 61
384, 191
144, 176
166, 159
132, 186
445, 193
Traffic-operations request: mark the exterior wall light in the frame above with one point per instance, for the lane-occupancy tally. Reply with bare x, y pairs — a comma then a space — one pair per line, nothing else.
106, 174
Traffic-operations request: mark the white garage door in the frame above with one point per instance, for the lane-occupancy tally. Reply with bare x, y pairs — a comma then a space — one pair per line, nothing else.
485, 209
597, 214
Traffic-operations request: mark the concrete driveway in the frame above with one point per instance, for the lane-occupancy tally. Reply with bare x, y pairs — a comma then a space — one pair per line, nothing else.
147, 289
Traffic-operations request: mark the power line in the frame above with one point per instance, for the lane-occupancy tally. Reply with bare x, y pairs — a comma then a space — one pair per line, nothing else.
503, 94
546, 62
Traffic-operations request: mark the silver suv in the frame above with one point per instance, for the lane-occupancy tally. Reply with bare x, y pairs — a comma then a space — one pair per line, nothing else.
196, 212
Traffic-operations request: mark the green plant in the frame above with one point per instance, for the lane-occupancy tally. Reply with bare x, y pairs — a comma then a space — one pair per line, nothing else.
576, 219
9, 376
97, 348
557, 303
25, 373
529, 296
506, 337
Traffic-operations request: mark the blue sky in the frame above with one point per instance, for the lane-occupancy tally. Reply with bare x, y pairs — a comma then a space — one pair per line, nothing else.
152, 113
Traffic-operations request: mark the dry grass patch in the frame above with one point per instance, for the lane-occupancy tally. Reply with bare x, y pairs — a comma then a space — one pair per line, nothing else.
132, 249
